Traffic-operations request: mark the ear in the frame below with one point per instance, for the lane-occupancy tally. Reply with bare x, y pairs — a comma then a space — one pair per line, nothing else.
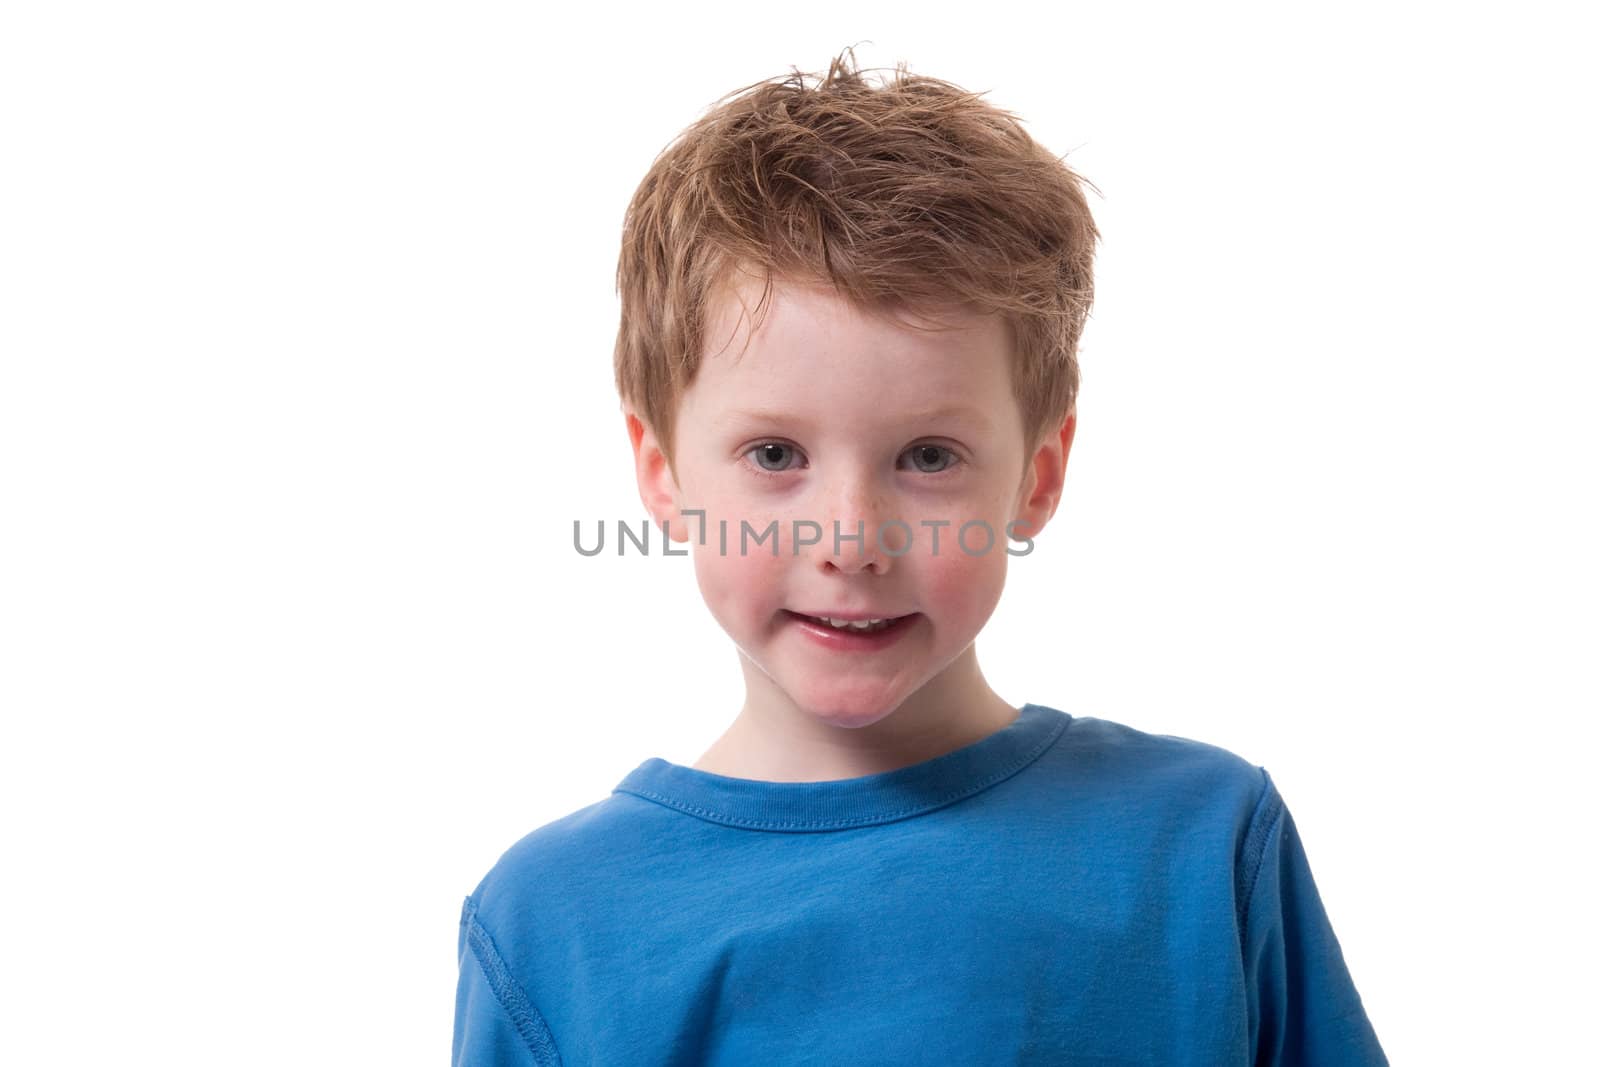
1043, 475
658, 484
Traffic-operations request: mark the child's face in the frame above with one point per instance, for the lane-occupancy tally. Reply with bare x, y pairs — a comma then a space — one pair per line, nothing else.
833, 416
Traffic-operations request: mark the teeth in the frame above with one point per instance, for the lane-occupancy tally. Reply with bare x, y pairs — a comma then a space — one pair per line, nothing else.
862, 626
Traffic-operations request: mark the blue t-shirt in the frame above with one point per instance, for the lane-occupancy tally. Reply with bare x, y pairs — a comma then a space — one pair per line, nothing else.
1064, 891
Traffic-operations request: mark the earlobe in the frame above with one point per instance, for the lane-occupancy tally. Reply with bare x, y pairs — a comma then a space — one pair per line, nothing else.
658, 487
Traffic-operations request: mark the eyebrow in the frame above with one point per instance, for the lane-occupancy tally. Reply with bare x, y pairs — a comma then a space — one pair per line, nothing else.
954, 412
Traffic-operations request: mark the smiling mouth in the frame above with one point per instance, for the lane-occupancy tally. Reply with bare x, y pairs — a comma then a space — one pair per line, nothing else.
870, 626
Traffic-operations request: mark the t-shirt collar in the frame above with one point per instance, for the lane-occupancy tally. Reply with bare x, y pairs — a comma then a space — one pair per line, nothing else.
847, 803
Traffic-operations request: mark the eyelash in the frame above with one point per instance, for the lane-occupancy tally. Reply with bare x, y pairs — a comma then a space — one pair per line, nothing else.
957, 460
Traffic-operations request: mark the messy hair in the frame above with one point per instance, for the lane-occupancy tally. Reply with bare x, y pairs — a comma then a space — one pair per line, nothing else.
911, 194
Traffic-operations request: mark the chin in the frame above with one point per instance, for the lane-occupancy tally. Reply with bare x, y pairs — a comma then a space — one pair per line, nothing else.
850, 710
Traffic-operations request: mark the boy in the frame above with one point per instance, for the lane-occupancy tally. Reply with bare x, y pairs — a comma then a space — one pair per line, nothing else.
850, 315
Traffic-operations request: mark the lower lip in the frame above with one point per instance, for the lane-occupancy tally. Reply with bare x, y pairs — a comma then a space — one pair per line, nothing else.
853, 640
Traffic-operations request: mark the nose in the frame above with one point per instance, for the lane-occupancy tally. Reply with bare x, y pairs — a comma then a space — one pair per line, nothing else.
859, 507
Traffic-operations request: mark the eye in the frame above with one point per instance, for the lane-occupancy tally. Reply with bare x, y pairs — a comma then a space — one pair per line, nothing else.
933, 454
774, 452
773, 458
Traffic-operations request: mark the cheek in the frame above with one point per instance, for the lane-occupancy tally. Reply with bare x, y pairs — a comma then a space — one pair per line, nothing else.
723, 575
739, 589
960, 584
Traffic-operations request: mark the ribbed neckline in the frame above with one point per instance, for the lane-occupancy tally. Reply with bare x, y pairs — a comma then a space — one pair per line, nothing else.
851, 802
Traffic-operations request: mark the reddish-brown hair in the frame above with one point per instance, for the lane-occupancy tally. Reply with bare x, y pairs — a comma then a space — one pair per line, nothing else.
912, 194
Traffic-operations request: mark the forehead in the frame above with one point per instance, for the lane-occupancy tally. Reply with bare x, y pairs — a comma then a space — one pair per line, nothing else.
807, 335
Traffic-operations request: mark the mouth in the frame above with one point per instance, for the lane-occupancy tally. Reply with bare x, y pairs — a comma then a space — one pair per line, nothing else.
865, 625
862, 634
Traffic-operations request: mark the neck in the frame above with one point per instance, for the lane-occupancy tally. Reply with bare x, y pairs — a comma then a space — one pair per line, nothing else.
774, 739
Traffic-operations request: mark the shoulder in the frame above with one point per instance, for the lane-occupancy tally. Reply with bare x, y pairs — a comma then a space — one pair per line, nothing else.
1165, 763
563, 847
1159, 782
555, 872
1204, 808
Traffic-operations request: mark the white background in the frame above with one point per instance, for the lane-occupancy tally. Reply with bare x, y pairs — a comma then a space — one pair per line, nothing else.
306, 312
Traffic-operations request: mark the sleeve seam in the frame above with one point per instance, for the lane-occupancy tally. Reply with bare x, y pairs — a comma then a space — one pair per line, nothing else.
1269, 806
530, 1025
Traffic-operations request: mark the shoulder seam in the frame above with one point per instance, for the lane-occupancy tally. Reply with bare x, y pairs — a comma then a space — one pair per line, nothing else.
1263, 820
524, 1016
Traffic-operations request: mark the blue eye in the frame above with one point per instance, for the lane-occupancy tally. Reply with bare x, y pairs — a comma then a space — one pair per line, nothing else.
920, 452
764, 452
772, 458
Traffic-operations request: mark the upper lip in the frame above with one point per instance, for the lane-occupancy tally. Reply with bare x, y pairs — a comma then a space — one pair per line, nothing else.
850, 616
